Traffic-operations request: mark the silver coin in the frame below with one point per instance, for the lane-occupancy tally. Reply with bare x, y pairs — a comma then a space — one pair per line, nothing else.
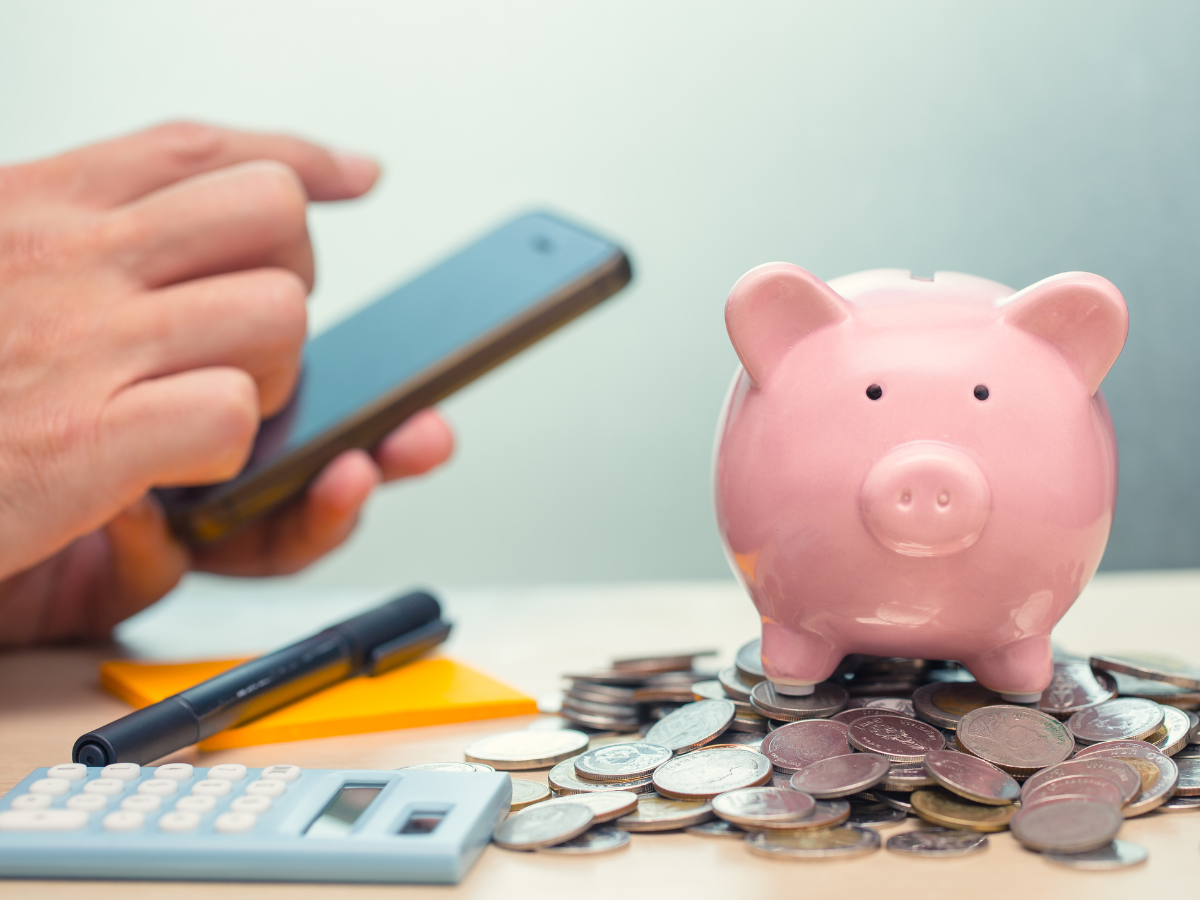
1117, 855
841, 776
874, 814
709, 690
1154, 794
900, 740
736, 687
749, 661
606, 723
1191, 751
971, 777
798, 744
653, 665
901, 800
1076, 686
602, 693
757, 808
1177, 726
573, 706
898, 705
605, 805
526, 793
1152, 668
703, 774
748, 723
1194, 722
849, 716
750, 739
658, 813
1123, 719
447, 767
907, 777
1122, 773
621, 762
1158, 691
1180, 804
515, 750
692, 725
945, 703
601, 839
826, 699
1066, 825
542, 826
938, 842
1188, 784
562, 778
1093, 787
825, 843
718, 828
1017, 739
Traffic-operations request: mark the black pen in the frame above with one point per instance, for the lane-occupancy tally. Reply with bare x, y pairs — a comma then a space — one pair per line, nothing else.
370, 643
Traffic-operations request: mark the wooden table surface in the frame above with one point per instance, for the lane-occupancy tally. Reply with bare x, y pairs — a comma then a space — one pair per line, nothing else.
528, 638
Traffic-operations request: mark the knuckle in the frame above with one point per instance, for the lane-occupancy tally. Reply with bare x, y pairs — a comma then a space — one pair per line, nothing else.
188, 142
279, 188
34, 248
283, 299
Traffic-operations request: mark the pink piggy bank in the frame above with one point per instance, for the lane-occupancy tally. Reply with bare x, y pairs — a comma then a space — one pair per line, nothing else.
917, 468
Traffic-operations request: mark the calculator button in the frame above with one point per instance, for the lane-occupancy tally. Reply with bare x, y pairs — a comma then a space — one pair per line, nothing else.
251, 803
174, 771
69, 771
197, 803
32, 801
42, 820
211, 787
55, 787
124, 820
281, 773
234, 822
178, 820
122, 771
105, 787
143, 803
228, 772
87, 802
267, 787
159, 787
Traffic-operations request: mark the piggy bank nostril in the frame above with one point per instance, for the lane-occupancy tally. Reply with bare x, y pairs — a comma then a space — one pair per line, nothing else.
906, 498
943, 499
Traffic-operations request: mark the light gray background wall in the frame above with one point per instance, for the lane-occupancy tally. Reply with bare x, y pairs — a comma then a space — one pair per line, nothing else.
1009, 139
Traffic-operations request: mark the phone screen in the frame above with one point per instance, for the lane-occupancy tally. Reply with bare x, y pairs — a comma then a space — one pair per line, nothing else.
420, 323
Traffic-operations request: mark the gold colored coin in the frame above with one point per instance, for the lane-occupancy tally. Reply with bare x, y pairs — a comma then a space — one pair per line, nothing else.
1145, 768
939, 806
960, 699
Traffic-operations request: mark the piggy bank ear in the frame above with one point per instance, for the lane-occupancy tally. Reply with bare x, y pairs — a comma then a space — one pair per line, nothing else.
771, 307
1083, 315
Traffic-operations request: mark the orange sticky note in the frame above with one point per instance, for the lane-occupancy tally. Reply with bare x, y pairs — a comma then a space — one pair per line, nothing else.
427, 692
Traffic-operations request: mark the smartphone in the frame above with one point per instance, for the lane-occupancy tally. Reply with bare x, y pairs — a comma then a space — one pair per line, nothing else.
406, 351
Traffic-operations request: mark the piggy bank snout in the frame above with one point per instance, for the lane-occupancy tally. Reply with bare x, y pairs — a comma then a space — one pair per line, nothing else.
926, 499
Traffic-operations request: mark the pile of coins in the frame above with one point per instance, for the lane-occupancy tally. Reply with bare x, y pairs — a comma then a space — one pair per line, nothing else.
883, 741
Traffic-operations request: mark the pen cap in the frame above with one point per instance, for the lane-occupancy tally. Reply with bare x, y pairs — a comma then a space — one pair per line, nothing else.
389, 621
140, 737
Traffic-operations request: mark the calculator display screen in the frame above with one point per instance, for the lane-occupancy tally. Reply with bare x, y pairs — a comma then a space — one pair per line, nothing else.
344, 810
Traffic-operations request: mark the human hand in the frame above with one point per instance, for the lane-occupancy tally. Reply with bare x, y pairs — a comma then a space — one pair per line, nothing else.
151, 313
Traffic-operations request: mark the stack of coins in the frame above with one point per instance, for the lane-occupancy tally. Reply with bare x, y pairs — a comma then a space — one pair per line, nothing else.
664, 747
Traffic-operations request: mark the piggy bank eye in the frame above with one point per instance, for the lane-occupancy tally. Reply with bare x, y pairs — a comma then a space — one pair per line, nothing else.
981, 392
875, 391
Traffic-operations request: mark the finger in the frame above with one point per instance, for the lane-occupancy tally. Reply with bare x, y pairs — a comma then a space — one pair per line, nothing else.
146, 561
304, 531
196, 427
120, 170
245, 217
421, 443
254, 321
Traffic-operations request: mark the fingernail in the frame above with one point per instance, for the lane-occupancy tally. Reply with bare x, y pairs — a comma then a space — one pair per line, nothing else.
360, 171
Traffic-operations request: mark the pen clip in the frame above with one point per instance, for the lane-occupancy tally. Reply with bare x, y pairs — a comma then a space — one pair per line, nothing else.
404, 649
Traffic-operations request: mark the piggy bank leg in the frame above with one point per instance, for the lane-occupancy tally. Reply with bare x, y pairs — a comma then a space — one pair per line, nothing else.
794, 661
1018, 672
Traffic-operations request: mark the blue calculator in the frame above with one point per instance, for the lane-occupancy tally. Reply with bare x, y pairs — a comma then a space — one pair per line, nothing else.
228, 822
